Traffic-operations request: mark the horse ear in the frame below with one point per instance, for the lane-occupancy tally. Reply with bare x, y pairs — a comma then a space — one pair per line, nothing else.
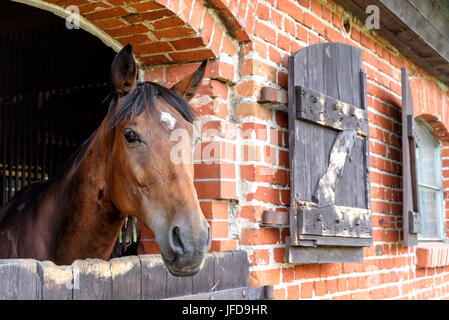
124, 71
187, 87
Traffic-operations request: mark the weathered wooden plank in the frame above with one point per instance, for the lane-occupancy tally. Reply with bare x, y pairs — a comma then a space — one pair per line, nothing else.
227, 269
323, 254
315, 69
245, 293
330, 72
204, 281
19, 279
294, 72
366, 157
307, 132
410, 32
367, 175
179, 286
57, 281
154, 277
327, 111
356, 68
436, 13
92, 280
312, 158
345, 76
345, 193
126, 278
412, 135
224, 277
350, 190
231, 269
358, 156
333, 241
240, 268
363, 97
335, 221
421, 25
142, 277
325, 191
410, 205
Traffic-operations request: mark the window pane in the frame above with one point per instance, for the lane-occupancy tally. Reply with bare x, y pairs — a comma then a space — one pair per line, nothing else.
427, 169
430, 205
429, 174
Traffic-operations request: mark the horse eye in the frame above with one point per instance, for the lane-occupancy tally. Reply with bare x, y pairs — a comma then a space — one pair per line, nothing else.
130, 136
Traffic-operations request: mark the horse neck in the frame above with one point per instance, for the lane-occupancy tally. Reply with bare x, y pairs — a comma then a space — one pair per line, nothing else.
91, 221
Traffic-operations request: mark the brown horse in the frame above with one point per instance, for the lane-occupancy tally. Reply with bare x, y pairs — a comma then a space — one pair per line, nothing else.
123, 169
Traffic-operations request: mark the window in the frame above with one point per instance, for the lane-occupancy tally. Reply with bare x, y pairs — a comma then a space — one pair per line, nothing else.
430, 184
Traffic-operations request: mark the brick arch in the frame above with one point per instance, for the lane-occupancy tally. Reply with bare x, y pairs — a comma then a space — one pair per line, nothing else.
236, 16
439, 130
161, 31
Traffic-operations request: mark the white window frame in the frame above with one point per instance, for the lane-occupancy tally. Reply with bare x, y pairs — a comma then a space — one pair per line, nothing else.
427, 131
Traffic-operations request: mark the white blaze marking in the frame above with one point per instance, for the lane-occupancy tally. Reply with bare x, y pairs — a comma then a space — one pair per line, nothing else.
168, 119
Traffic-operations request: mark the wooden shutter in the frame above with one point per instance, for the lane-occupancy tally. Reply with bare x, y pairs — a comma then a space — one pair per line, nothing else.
411, 218
330, 216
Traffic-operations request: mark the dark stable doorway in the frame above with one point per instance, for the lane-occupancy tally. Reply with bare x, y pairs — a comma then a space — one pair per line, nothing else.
54, 84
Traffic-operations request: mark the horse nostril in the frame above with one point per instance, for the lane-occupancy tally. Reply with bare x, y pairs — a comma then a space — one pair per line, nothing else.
175, 241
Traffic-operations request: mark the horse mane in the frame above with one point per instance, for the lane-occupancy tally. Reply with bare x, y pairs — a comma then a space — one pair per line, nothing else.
143, 97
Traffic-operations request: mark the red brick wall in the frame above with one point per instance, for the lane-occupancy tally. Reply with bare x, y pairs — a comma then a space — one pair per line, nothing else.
245, 170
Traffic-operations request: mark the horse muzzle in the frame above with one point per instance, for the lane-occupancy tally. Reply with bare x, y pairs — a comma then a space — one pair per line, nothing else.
189, 246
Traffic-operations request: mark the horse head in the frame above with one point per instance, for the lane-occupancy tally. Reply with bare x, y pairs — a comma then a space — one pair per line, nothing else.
147, 177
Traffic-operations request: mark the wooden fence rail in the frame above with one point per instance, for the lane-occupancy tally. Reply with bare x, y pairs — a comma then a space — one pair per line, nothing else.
133, 277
